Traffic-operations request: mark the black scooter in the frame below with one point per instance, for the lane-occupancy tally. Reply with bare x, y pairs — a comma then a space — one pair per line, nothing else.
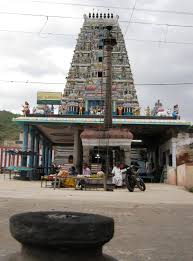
132, 178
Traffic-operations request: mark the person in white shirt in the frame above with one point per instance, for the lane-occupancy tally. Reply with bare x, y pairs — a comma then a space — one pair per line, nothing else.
117, 176
86, 171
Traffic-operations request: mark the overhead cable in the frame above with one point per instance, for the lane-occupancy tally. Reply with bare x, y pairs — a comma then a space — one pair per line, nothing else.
44, 25
62, 83
74, 35
118, 8
80, 18
131, 16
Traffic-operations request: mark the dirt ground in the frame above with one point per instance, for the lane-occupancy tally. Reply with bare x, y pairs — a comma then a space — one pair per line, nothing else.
151, 225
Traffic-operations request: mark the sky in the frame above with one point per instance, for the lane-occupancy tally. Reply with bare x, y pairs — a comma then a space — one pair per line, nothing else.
29, 52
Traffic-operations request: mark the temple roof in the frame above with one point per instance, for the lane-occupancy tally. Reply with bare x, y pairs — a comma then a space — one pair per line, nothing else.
60, 130
100, 120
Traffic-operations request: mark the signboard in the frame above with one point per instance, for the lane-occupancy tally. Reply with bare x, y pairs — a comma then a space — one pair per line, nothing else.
49, 98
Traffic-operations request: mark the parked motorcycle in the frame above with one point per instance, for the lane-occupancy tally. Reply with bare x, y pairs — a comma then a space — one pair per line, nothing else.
132, 178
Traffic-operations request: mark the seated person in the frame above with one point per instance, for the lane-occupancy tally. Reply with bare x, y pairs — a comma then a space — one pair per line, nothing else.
86, 171
54, 168
117, 176
72, 171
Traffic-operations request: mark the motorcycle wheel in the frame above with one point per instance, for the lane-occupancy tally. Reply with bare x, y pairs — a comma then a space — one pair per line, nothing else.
129, 186
141, 186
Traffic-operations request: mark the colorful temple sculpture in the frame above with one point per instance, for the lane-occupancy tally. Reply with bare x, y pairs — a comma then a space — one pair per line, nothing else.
84, 91
62, 128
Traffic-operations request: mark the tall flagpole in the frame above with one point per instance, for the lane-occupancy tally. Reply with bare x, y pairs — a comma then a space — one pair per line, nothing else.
109, 42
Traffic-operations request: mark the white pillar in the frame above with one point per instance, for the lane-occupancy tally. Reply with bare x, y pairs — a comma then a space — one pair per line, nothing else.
174, 153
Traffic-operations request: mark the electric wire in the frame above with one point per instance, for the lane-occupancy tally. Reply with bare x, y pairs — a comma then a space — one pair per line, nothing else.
75, 35
63, 83
40, 15
119, 8
44, 26
131, 16
80, 18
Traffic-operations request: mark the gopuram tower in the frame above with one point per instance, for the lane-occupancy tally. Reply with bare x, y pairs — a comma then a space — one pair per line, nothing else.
85, 87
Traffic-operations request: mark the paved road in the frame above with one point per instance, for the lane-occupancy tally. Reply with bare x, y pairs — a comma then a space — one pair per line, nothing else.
154, 225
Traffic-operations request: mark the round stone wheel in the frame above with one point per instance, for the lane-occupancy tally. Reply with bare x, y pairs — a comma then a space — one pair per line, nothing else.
61, 230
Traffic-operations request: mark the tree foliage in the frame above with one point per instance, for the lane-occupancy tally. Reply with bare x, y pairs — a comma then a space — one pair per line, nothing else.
9, 130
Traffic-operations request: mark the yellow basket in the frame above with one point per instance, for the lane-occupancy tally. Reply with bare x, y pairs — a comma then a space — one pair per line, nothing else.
69, 183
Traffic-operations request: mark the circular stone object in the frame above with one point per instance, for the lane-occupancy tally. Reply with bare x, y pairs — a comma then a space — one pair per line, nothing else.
61, 230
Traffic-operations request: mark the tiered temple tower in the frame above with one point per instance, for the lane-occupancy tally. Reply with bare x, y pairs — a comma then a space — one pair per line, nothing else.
84, 91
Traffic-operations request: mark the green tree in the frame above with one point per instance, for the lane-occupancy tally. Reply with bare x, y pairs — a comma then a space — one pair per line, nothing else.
9, 130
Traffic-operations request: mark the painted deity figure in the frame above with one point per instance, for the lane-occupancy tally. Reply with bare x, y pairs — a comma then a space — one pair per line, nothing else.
98, 111
26, 110
80, 108
52, 109
158, 107
120, 110
60, 109
163, 113
91, 110
34, 110
148, 111
169, 112
175, 113
136, 111
46, 110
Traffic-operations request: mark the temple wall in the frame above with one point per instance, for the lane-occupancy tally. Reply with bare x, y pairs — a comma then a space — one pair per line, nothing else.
165, 148
62, 154
181, 149
171, 176
185, 175
184, 148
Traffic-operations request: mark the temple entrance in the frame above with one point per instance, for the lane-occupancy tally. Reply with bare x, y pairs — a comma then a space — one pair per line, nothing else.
98, 155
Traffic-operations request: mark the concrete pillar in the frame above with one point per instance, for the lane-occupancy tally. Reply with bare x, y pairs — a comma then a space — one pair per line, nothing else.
86, 152
32, 142
127, 153
25, 145
77, 149
46, 158
174, 153
154, 157
49, 158
43, 153
37, 151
